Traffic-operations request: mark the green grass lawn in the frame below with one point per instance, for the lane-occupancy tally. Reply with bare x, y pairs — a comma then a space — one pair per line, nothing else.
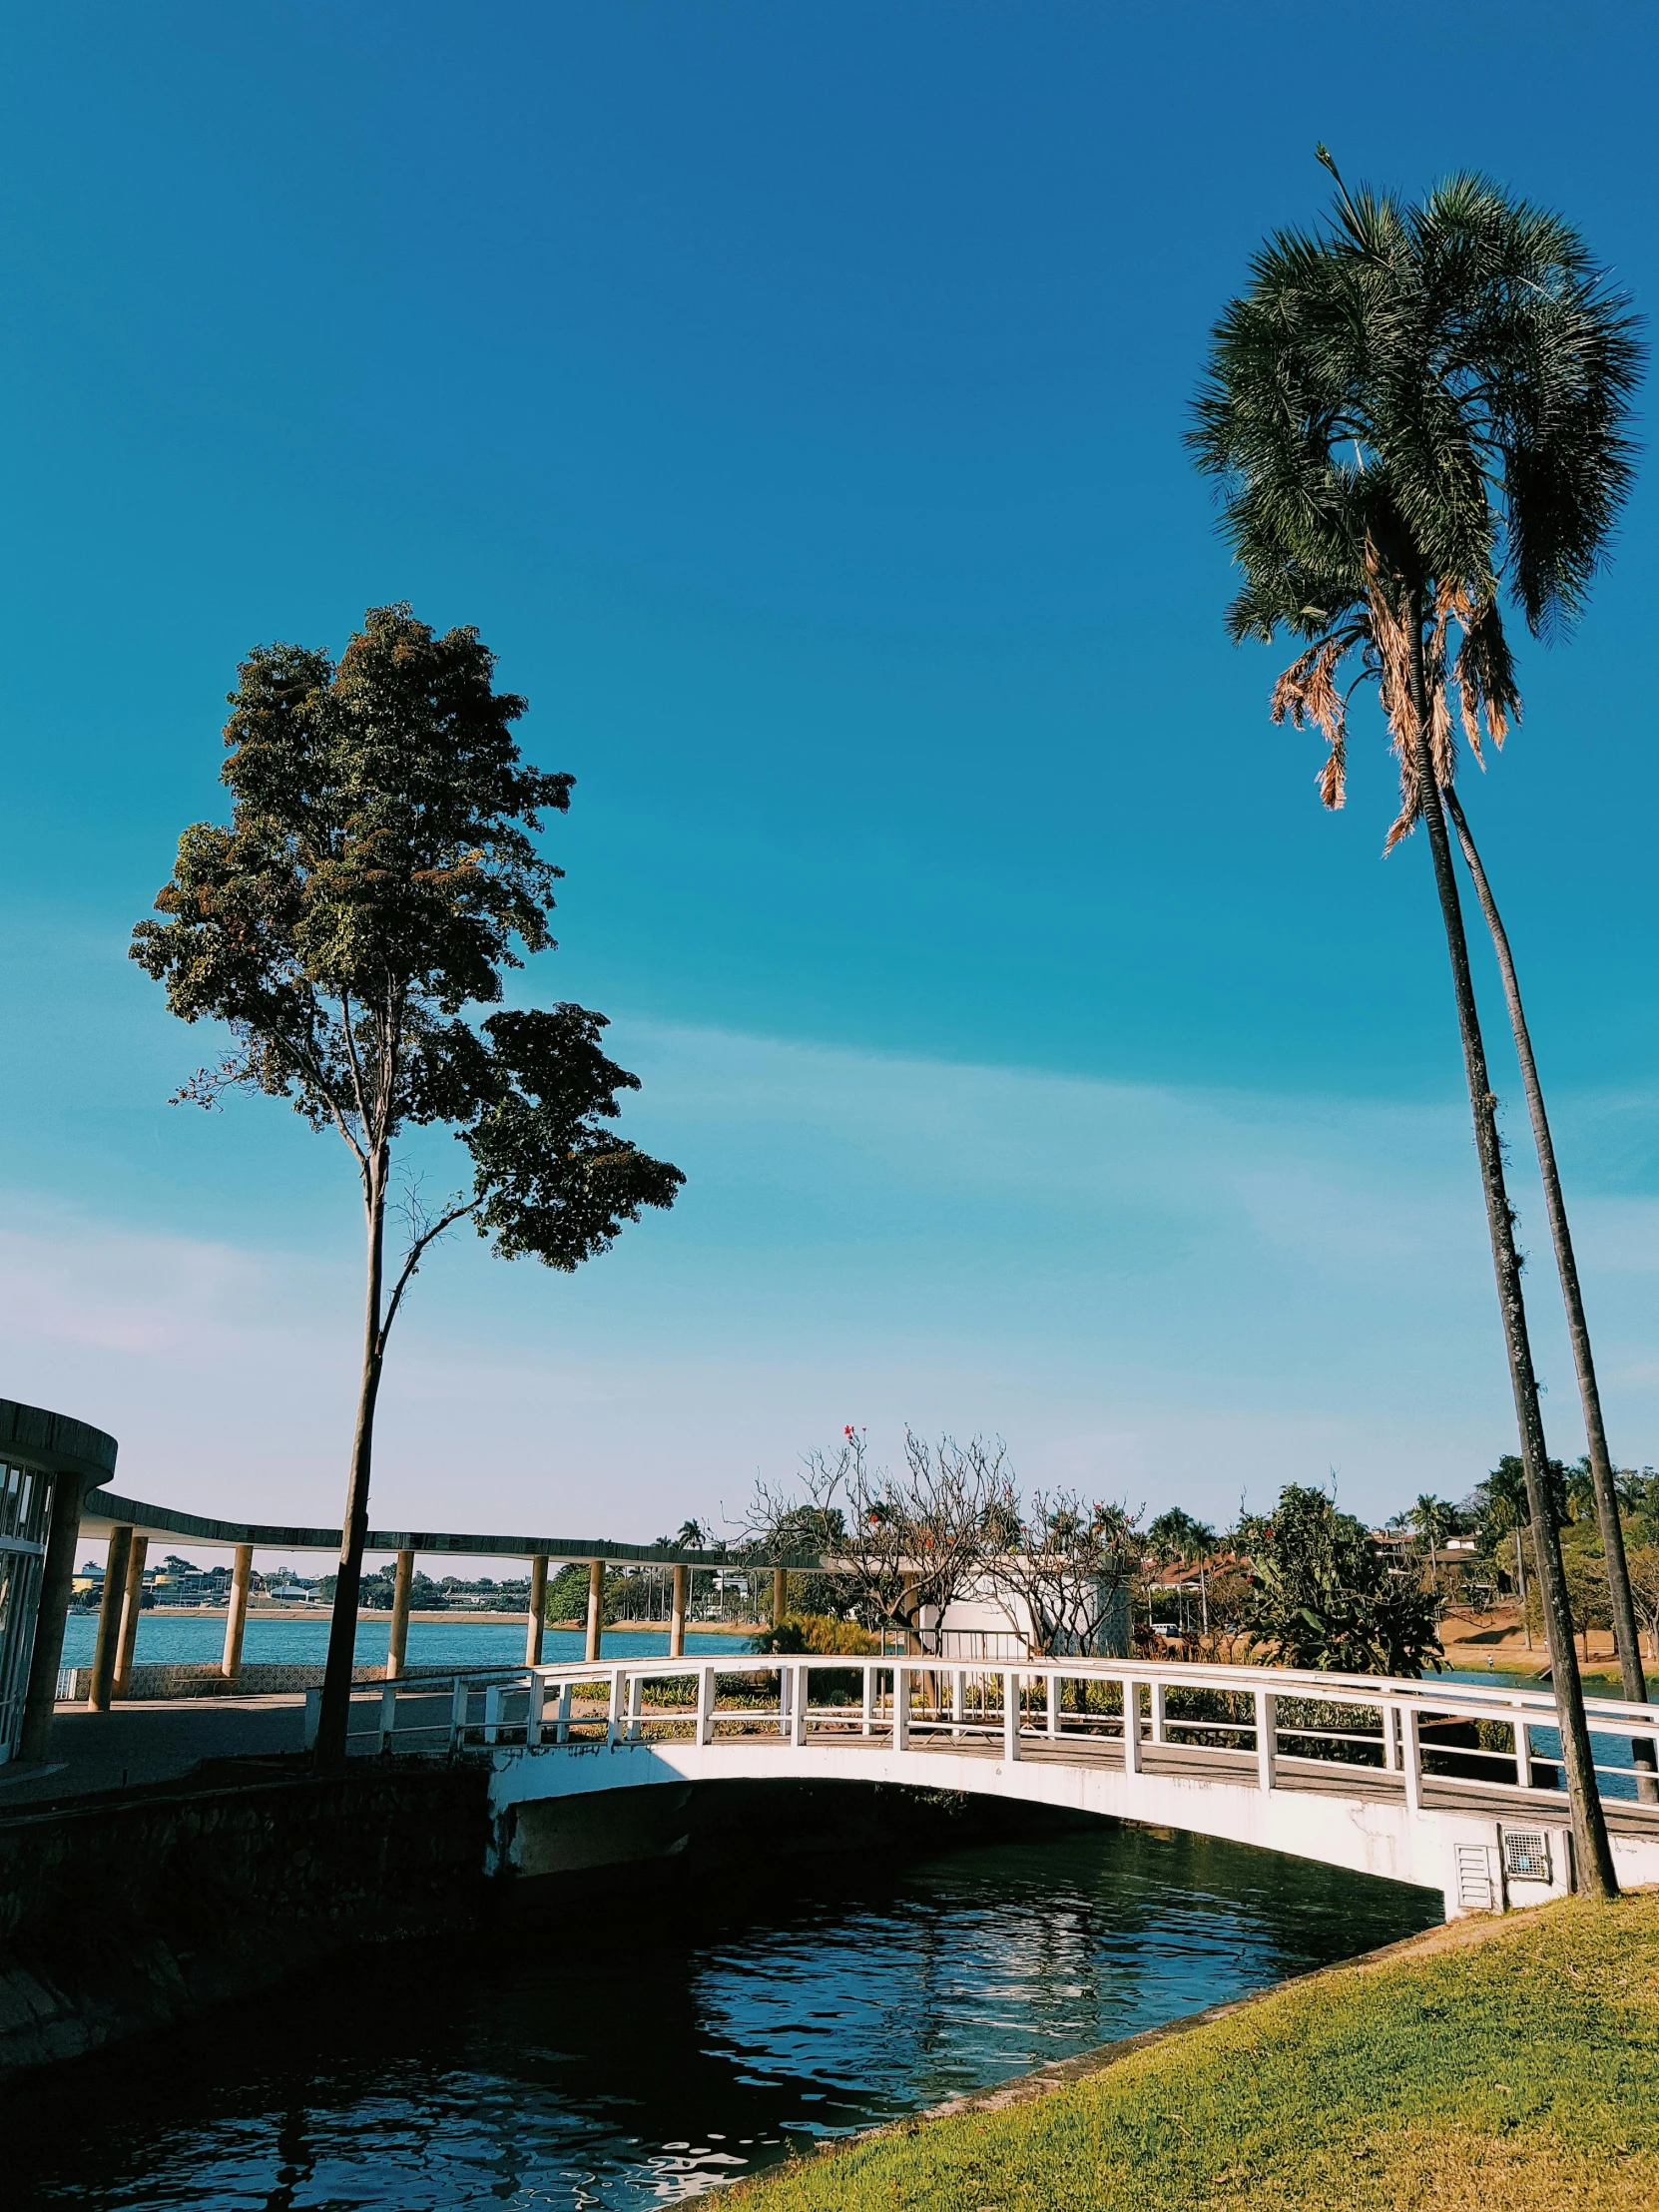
1509, 2065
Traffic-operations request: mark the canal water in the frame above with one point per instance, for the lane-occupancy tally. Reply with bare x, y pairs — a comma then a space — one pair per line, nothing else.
614, 2063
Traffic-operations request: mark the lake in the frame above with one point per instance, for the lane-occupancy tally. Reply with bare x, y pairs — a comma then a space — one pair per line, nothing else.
178, 1640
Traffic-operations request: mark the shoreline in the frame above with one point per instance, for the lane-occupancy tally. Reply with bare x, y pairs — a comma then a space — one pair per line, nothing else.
448, 1615
1270, 2098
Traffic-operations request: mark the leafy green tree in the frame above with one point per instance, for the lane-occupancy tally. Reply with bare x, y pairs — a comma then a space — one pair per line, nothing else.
378, 876
567, 1596
1176, 1536
1412, 412
1324, 1596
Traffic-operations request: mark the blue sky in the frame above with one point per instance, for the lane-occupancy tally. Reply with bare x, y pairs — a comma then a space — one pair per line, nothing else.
793, 396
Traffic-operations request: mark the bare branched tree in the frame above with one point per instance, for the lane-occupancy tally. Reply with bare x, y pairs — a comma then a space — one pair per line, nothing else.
906, 1544
1068, 1563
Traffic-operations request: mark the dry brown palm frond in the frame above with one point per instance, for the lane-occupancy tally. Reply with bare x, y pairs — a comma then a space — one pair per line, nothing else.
1442, 748
1391, 637
1307, 694
1485, 676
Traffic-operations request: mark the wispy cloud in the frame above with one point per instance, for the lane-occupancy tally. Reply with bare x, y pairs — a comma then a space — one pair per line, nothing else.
1153, 1291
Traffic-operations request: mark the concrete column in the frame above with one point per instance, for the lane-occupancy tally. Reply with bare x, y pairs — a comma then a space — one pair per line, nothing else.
779, 1594
132, 1604
57, 1587
536, 1624
676, 1614
109, 1619
596, 1608
398, 1645
236, 1612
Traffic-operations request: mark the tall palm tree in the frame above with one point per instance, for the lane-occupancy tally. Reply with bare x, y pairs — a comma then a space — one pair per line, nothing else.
1409, 411
1603, 1476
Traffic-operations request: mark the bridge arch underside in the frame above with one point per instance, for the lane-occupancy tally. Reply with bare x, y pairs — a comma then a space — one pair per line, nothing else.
588, 1805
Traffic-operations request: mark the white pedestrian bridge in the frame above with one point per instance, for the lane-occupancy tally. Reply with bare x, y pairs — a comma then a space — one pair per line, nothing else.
1451, 1786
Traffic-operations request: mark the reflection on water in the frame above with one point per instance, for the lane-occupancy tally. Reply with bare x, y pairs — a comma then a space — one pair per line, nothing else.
643, 2064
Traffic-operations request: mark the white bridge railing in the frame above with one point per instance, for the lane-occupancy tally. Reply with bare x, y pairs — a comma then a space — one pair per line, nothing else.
1477, 1734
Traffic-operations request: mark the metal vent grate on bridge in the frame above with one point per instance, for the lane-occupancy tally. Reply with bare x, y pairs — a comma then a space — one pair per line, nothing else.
1474, 1879
1526, 1854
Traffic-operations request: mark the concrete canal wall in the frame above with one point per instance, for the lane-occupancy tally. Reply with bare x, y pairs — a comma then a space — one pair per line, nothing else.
118, 1916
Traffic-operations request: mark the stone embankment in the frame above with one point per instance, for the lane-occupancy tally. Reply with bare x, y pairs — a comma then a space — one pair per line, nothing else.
122, 1913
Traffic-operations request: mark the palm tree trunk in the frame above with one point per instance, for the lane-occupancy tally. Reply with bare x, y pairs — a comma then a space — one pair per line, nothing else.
329, 1754
1626, 1640
1589, 1827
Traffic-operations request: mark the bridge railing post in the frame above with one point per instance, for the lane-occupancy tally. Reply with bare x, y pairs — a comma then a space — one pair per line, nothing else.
1131, 1726
533, 1711
786, 1678
613, 1710
388, 1716
900, 1706
958, 1699
1391, 1738
561, 1725
1010, 1714
457, 1713
800, 1688
492, 1711
867, 1723
1051, 1703
1267, 1738
706, 1705
636, 1702
1155, 1695
1523, 1754
1411, 1755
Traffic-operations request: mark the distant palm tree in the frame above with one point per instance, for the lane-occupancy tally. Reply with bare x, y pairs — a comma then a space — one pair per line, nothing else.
1432, 1520
1407, 412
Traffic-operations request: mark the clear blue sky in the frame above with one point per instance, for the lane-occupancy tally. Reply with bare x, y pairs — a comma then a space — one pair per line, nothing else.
793, 396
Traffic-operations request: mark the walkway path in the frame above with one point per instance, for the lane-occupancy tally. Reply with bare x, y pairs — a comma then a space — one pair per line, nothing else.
137, 1745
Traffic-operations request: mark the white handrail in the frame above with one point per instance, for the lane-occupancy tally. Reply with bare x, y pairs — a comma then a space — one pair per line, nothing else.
921, 1698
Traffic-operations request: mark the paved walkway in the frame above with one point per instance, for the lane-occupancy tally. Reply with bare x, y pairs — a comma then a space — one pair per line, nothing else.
147, 1741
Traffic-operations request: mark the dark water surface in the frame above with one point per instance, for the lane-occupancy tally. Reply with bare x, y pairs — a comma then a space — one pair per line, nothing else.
633, 2063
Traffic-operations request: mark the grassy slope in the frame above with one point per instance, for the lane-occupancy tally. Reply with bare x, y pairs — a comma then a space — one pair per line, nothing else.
1521, 2070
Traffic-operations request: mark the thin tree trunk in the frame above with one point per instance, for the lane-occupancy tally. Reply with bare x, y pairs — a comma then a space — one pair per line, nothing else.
1589, 1826
1626, 1640
330, 1752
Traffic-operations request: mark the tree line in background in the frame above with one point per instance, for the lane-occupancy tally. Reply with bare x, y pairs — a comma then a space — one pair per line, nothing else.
1307, 1583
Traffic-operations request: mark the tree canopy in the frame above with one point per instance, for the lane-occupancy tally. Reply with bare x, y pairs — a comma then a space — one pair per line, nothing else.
1427, 402
378, 876
1325, 1594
